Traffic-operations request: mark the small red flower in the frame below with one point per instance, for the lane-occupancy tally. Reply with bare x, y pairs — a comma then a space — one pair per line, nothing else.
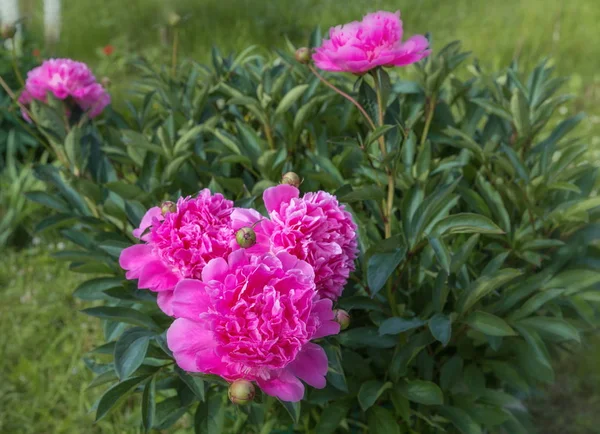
35, 52
108, 50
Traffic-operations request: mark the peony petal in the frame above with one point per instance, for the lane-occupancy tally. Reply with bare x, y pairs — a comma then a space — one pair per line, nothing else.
164, 299
275, 196
190, 299
286, 387
134, 258
327, 326
192, 343
310, 365
242, 217
147, 221
156, 276
216, 269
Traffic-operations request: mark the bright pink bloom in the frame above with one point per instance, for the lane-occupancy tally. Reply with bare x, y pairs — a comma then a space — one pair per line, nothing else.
358, 47
252, 317
179, 244
65, 78
314, 228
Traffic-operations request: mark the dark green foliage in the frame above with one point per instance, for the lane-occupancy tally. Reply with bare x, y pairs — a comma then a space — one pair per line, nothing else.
489, 270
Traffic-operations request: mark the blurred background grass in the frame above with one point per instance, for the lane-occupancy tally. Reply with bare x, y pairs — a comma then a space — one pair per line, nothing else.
42, 337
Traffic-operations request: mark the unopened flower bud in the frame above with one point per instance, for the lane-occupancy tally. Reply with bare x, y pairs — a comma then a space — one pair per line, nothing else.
303, 55
174, 19
342, 318
168, 207
241, 392
291, 178
245, 237
9, 31
105, 82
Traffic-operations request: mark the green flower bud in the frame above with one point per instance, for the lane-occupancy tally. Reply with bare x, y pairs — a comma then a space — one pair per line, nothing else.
245, 237
291, 178
241, 392
342, 318
303, 55
174, 19
8, 31
168, 207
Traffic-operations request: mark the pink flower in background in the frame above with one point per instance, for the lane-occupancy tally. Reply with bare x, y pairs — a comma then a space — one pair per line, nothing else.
179, 244
314, 228
252, 317
358, 47
65, 79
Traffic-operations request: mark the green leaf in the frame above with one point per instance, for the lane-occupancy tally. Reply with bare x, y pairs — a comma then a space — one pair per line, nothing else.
377, 133
290, 98
556, 328
382, 421
48, 200
52, 175
149, 404
441, 252
519, 108
130, 351
370, 391
125, 190
370, 192
196, 384
365, 337
535, 303
460, 419
485, 285
466, 223
440, 326
408, 352
94, 289
494, 202
381, 266
395, 325
465, 142
293, 409
210, 415
489, 324
331, 417
168, 412
122, 314
116, 394
422, 392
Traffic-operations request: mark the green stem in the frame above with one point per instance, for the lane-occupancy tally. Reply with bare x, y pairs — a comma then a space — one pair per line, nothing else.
391, 188
430, 110
345, 95
15, 65
174, 54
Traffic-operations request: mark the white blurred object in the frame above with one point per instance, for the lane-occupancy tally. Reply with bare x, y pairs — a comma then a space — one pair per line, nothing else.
9, 11
51, 21
9, 16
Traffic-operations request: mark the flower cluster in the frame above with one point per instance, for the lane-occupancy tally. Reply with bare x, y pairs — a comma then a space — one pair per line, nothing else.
68, 80
248, 293
358, 47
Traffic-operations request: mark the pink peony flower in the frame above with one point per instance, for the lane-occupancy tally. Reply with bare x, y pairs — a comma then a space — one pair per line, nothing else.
358, 47
65, 78
179, 244
252, 318
314, 228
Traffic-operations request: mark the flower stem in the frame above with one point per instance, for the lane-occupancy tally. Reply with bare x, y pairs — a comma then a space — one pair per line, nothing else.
390, 175
345, 95
15, 64
174, 54
430, 110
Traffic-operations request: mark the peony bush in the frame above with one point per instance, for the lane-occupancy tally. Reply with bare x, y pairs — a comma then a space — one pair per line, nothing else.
275, 248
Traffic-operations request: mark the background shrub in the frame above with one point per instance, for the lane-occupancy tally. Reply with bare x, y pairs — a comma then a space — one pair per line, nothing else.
490, 270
